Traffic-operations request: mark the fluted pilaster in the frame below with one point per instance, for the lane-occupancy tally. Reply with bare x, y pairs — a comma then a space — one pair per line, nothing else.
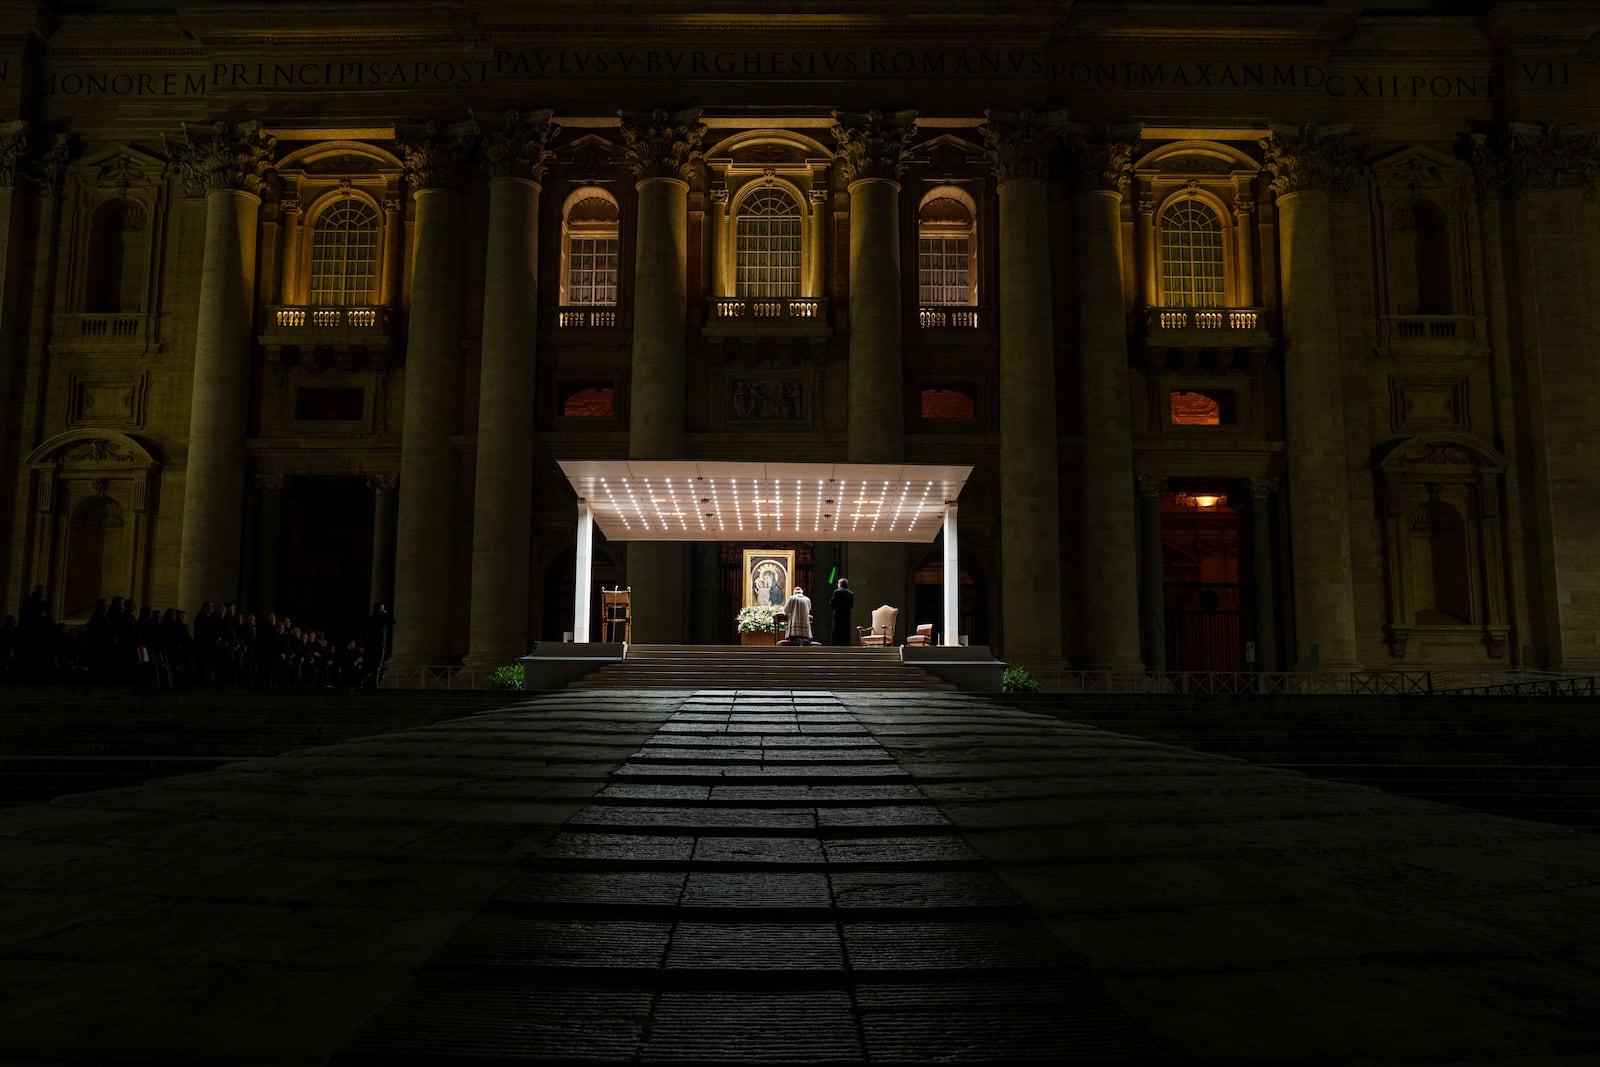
1152, 579
872, 149
228, 164
1309, 164
1263, 553
437, 160
516, 151
1110, 558
664, 152
1023, 149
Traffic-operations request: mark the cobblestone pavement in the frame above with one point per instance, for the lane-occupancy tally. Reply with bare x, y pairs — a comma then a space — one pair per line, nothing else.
785, 877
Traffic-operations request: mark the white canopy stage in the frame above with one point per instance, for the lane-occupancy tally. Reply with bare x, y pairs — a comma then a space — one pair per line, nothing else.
715, 500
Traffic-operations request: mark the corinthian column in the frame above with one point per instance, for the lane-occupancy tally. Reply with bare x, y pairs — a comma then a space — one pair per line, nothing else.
516, 152
227, 164
872, 150
1536, 178
1308, 165
13, 442
424, 534
1023, 148
1110, 557
663, 149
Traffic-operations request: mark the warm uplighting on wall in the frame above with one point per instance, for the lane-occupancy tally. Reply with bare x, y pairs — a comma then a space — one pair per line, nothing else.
1201, 501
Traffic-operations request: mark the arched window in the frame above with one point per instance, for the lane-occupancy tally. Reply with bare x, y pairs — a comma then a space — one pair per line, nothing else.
1191, 256
590, 279
768, 245
944, 253
344, 255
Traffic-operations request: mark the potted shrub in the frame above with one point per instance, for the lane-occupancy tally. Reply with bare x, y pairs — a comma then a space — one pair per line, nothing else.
757, 625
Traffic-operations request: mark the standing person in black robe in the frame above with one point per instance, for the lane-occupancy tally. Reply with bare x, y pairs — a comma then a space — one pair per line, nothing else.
840, 604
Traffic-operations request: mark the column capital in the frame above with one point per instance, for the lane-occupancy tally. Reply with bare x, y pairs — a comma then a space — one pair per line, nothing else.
719, 195
1150, 485
270, 483
1102, 156
1024, 144
437, 156
1533, 155
661, 143
383, 482
873, 144
1262, 488
518, 144
13, 147
222, 155
1312, 157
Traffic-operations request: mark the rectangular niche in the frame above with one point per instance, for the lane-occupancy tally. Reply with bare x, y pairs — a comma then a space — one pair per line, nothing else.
588, 399
1202, 407
330, 403
116, 402
1428, 404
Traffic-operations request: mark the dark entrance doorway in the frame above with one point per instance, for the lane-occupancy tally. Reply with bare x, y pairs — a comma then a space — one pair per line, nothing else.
327, 555
972, 604
1209, 614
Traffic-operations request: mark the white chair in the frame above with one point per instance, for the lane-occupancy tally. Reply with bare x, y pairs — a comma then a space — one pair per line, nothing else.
881, 632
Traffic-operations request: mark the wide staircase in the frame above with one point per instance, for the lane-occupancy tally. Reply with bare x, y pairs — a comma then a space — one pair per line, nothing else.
735, 667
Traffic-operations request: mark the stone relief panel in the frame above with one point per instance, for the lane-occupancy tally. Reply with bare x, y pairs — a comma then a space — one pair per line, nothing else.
1420, 404
107, 401
767, 400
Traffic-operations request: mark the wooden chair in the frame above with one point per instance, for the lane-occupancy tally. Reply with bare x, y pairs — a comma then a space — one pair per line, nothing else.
881, 632
923, 636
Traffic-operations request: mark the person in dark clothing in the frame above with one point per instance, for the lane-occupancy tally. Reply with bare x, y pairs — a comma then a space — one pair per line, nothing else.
840, 604
380, 635
99, 639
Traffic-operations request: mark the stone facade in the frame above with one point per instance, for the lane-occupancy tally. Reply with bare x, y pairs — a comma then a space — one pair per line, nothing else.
1265, 327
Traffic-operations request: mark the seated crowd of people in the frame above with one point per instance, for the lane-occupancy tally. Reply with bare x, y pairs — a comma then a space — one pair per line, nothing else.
226, 646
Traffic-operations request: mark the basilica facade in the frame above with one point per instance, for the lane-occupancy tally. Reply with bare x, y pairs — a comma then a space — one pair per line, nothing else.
1268, 331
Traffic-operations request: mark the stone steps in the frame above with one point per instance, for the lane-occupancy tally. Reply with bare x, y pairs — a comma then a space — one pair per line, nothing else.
733, 667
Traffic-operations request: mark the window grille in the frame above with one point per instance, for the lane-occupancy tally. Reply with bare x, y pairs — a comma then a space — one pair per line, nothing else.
1191, 256
768, 245
344, 255
944, 271
592, 272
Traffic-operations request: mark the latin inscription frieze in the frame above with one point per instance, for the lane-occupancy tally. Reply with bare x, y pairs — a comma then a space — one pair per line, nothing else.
509, 67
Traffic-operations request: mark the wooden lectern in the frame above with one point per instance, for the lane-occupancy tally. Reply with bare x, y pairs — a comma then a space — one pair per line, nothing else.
616, 609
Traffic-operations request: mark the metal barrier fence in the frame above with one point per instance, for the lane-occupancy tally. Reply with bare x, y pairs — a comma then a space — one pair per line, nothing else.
435, 677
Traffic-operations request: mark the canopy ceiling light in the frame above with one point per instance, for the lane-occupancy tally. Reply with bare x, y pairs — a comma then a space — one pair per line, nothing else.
694, 500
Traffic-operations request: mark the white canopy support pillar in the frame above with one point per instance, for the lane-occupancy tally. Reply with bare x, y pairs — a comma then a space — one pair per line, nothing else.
952, 577
583, 573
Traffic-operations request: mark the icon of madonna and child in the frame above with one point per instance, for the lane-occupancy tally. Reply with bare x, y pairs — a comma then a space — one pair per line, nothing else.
768, 577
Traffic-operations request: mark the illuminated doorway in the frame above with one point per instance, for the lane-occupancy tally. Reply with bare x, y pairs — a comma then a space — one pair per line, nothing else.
1209, 610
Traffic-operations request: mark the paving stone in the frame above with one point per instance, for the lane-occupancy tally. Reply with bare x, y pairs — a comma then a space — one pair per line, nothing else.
756, 889
921, 889
736, 1026
631, 847
793, 946
918, 946
698, 818
461, 1017
816, 794
594, 887
758, 850
515, 940
906, 849
897, 815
